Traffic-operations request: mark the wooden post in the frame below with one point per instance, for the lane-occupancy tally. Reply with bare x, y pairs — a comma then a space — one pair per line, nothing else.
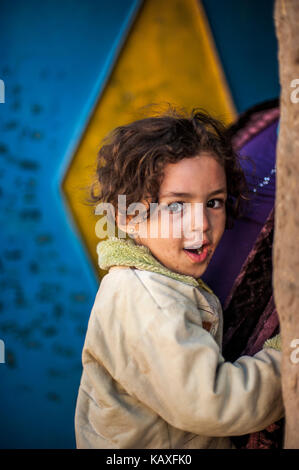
286, 238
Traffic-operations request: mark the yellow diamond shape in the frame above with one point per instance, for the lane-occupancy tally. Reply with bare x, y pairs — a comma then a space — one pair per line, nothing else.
168, 57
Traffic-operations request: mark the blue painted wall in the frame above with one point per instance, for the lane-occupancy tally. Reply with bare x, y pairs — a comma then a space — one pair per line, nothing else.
55, 59
244, 34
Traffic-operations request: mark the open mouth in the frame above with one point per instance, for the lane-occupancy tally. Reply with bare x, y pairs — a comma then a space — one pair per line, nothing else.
198, 255
197, 251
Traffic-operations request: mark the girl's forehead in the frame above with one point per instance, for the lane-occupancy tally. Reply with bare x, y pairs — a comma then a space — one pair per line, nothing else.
193, 174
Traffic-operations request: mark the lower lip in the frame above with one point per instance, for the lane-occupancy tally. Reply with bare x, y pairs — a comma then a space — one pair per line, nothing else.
198, 258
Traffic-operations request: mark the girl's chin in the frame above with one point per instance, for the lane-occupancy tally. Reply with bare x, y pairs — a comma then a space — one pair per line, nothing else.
193, 271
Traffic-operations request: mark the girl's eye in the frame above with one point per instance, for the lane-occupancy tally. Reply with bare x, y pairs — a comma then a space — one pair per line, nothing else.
175, 207
216, 203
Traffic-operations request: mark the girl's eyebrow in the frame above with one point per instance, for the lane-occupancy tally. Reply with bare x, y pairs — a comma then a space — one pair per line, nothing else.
176, 194
218, 191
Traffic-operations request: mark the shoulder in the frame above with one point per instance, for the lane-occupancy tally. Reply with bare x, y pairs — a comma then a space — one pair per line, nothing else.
157, 283
131, 302
161, 289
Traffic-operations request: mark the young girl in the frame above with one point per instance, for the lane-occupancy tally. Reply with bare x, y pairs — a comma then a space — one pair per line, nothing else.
153, 372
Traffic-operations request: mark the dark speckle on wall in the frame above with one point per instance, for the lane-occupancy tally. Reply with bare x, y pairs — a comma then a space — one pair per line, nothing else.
33, 344
57, 311
36, 135
10, 359
30, 214
20, 299
30, 165
79, 297
12, 255
16, 89
80, 330
15, 105
49, 331
53, 396
29, 198
43, 238
36, 108
63, 350
10, 125
3, 148
33, 267
23, 388
48, 291
56, 373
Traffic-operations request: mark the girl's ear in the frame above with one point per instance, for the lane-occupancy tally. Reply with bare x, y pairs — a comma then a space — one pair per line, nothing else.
133, 219
126, 224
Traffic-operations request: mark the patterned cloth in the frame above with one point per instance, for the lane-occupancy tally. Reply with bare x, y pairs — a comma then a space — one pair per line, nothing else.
250, 315
246, 334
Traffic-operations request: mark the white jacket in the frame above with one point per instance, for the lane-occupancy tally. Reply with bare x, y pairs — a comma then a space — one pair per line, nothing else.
153, 372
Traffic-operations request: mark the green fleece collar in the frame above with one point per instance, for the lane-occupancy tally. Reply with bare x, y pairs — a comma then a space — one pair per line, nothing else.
124, 252
274, 343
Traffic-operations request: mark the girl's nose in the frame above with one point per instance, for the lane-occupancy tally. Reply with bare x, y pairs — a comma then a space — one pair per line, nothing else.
205, 220
200, 221
196, 222
200, 218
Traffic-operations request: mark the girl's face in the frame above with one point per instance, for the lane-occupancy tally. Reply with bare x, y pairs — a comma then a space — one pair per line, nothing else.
199, 179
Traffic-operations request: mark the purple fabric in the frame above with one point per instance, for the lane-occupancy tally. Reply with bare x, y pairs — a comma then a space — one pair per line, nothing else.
250, 319
249, 311
236, 243
266, 327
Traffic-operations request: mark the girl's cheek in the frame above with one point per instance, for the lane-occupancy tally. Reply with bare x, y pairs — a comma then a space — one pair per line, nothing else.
218, 224
169, 225
177, 226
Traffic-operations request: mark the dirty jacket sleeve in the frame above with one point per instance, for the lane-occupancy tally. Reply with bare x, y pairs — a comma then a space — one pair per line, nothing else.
152, 342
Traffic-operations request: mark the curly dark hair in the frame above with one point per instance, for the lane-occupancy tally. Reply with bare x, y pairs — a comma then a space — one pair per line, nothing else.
132, 158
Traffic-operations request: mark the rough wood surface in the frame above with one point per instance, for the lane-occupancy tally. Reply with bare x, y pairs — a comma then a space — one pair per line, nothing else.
286, 238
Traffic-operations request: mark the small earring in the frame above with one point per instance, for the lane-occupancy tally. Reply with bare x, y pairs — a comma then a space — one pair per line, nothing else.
132, 232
